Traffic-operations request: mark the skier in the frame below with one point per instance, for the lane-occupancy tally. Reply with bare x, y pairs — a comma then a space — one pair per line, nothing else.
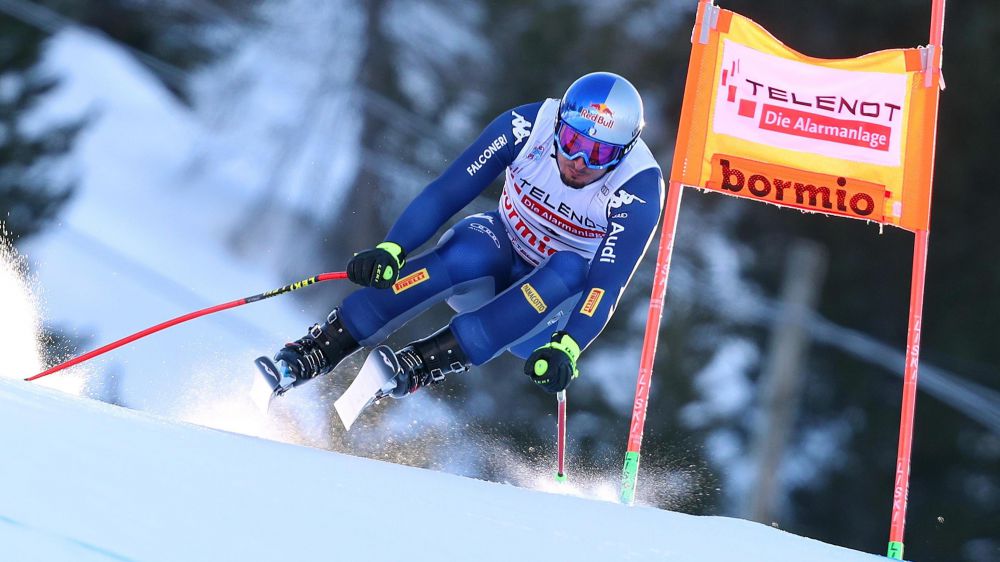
539, 277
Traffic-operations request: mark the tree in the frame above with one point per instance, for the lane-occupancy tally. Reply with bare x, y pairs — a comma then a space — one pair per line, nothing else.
33, 182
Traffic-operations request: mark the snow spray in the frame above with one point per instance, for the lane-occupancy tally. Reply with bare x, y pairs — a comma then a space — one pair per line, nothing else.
20, 328
21, 336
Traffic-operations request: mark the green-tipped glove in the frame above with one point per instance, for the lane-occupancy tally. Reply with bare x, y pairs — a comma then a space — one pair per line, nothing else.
378, 267
553, 365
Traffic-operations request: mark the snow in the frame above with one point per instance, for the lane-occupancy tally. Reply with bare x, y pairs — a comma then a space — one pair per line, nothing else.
84, 480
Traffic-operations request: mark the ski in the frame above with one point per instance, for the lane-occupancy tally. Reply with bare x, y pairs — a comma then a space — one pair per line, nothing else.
376, 380
271, 383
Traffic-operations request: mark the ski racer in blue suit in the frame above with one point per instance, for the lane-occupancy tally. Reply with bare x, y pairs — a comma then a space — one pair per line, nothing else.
539, 277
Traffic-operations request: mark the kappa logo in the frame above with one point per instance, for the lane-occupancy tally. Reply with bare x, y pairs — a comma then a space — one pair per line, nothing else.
622, 197
521, 128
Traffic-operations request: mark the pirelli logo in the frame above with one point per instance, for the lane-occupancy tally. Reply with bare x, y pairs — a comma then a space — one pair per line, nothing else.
410, 281
533, 298
592, 302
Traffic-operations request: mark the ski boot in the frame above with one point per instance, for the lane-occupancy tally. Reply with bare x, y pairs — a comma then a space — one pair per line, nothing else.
399, 374
427, 361
315, 354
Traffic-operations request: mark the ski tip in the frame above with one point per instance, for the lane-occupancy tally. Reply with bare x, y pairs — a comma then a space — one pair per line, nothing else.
269, 372
376, 379
265, 385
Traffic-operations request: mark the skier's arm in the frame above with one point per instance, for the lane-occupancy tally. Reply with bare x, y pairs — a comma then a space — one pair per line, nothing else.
465, 178
630, 229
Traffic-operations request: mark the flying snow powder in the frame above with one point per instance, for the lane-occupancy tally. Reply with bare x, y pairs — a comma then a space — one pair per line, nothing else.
20, 327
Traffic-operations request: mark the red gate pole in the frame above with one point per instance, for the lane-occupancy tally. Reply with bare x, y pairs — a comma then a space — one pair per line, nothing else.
630, 472
902, 485
901, 489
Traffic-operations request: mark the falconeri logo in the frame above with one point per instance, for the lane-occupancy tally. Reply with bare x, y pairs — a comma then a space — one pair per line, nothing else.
809, 191
410, 281
487, 153
533, 298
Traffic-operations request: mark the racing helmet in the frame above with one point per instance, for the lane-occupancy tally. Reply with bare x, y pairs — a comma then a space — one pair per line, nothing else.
600, 118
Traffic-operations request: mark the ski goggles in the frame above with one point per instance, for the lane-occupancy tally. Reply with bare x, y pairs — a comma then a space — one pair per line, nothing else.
596, 155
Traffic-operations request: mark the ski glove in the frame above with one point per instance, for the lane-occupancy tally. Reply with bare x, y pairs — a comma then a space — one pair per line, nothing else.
378, 267
553, 365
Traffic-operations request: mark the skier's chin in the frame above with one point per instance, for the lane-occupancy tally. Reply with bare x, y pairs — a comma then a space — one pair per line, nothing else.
575, 184
576, 177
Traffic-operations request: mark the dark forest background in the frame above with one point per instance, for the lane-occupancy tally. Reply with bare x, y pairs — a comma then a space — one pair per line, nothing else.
842, 495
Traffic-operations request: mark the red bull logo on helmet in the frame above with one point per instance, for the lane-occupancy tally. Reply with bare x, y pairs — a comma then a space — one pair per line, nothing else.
599, 113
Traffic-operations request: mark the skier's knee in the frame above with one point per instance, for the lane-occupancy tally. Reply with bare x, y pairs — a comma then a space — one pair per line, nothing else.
472, 250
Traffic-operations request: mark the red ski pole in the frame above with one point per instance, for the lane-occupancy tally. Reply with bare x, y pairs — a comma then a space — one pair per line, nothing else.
180, 319
561, 440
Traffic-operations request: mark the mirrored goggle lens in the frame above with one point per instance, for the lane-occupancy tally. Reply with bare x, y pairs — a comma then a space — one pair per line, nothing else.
574, 144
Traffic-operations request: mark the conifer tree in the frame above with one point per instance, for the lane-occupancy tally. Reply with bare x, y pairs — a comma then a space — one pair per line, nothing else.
32, 185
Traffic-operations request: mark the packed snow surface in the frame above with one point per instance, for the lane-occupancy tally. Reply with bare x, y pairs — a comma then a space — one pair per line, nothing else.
86, 481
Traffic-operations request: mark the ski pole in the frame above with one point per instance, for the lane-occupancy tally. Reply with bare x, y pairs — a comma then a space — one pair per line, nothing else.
203, 312
561, 439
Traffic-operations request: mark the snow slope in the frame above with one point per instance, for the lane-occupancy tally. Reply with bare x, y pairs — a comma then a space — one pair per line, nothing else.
142, 242
86, 481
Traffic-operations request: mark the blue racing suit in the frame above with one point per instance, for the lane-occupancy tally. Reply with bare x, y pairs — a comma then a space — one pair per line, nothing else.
484, 265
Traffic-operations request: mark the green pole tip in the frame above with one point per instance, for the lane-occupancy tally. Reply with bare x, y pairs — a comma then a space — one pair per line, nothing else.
560, 478
630, 475
895, 550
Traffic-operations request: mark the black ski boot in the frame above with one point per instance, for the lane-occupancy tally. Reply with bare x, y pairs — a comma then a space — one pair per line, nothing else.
317, 353
427, 361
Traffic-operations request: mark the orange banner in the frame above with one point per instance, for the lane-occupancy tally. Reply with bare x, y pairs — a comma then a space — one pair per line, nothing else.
846, 137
